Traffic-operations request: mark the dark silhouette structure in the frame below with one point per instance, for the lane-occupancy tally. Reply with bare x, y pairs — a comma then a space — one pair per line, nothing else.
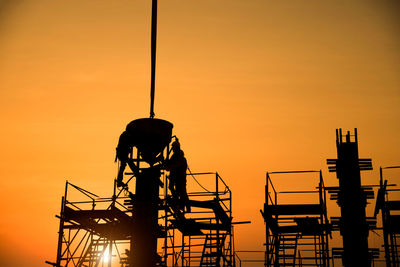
296, 234
139, 224
143, 227
389, 207
151, 137
288, 225
351, 197
143, 224
146, 228
203, 237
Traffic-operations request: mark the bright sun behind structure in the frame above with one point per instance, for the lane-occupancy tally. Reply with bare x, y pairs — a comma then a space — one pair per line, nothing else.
106, 257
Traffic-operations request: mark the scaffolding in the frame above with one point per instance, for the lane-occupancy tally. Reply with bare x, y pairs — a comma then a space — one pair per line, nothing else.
93, 231
97, 231
204, 236
296, 234
389, 206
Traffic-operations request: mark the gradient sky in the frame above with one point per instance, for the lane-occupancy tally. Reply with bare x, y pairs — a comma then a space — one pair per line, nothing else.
250, 86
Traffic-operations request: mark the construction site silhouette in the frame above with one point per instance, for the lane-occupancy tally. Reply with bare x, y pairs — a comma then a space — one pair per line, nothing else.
151, 219
146, 224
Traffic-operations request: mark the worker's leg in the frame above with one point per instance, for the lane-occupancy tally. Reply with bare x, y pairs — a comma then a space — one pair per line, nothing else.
172, 185
174, 194
182, 196
123, 156
186, 199
133, 167
121, 173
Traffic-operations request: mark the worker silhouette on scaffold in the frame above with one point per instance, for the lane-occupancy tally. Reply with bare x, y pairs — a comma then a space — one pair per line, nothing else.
177, 166
124, 149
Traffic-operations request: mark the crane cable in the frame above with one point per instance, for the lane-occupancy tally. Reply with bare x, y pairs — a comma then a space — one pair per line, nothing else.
153, 55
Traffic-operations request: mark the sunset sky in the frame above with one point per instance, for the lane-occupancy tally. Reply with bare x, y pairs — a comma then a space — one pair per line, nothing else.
250, 86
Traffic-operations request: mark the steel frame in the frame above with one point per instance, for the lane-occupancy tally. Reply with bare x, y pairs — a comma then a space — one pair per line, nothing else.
296, 234
94, 229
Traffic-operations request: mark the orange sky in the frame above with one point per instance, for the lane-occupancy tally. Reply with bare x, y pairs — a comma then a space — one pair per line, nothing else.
250, 86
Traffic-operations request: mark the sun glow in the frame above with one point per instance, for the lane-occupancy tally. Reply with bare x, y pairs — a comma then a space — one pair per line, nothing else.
106, 256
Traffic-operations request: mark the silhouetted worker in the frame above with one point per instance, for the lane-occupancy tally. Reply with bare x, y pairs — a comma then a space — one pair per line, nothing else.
124, 148
177, 166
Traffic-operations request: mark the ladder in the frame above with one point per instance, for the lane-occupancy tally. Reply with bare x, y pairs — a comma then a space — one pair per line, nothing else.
94, 253
212, 250
287, 250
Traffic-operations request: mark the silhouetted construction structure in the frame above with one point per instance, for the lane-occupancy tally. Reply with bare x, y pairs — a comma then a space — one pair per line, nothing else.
130, 225
97, 231
352, 197
388, 204
144, 224
296, 234
203, 237
289, 226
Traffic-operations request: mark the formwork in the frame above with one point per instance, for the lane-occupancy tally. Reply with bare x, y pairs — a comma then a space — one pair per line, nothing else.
352, 198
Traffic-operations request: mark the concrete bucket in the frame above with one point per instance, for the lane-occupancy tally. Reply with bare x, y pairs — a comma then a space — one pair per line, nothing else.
150, 136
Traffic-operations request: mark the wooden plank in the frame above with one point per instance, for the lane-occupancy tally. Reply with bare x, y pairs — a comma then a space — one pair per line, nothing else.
293, 209
187, 227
